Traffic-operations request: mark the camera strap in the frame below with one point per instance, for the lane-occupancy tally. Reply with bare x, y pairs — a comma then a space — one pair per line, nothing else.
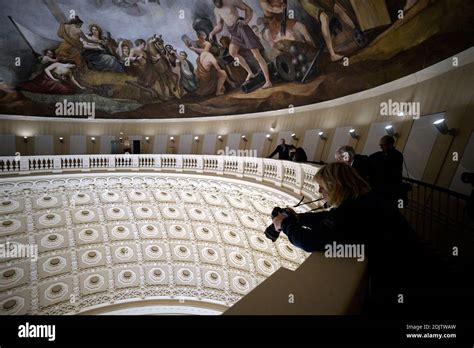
300, 203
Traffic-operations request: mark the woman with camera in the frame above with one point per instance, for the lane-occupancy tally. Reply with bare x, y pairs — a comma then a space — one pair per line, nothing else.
396, 260
357, 216
352, 214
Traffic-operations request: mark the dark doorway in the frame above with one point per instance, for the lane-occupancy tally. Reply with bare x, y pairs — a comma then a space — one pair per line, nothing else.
136, 147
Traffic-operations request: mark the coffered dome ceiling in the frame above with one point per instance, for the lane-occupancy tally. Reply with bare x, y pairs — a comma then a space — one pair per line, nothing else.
116, 238
359, 45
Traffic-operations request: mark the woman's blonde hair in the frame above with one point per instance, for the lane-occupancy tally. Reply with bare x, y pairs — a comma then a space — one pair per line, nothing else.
341, 182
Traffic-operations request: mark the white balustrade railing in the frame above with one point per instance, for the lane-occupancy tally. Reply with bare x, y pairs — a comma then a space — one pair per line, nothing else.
298, 177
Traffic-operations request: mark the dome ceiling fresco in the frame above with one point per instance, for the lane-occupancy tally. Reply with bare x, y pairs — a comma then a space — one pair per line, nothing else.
98, 240
194, 58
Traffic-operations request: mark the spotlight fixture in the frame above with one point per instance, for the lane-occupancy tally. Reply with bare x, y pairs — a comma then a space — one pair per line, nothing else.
196, 138
121, 139
147, 139
220, 137
443, 128
244, 137
269, 137
25, 139
273, 126
121, 133
390, 131
93, 140
294, 136
354, 134
172, 139
61, 140
322, 136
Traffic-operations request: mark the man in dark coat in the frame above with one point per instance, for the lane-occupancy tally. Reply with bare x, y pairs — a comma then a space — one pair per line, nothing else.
386, 169
283, 151
360, 163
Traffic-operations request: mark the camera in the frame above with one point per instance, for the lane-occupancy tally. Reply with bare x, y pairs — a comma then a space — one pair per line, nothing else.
270, 232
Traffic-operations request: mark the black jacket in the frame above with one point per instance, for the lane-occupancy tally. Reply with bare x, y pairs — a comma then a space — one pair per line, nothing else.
386, 172
349, 223
397, 261
300, 155
283, 152
389, 241
362, 165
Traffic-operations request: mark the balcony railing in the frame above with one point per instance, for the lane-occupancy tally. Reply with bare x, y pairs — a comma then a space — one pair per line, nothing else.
441, 219
295, 176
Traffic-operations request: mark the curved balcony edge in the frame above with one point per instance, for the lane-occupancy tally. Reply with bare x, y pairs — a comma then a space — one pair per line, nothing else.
297, 177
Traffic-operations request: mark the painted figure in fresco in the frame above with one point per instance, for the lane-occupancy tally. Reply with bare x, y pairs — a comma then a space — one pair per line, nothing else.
124, 50
227, 13
264, 37
73, 37
236, 75
173, 59
57, 78
96, 52
188, 79
274, 11
48, 57
138, 58
324, 11
210, 76
157, 73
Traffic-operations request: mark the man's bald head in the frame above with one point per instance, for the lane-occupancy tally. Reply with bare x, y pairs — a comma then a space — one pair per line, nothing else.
387, 143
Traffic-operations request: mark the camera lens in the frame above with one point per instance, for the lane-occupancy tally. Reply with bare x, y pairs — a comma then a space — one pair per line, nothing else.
271, 233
